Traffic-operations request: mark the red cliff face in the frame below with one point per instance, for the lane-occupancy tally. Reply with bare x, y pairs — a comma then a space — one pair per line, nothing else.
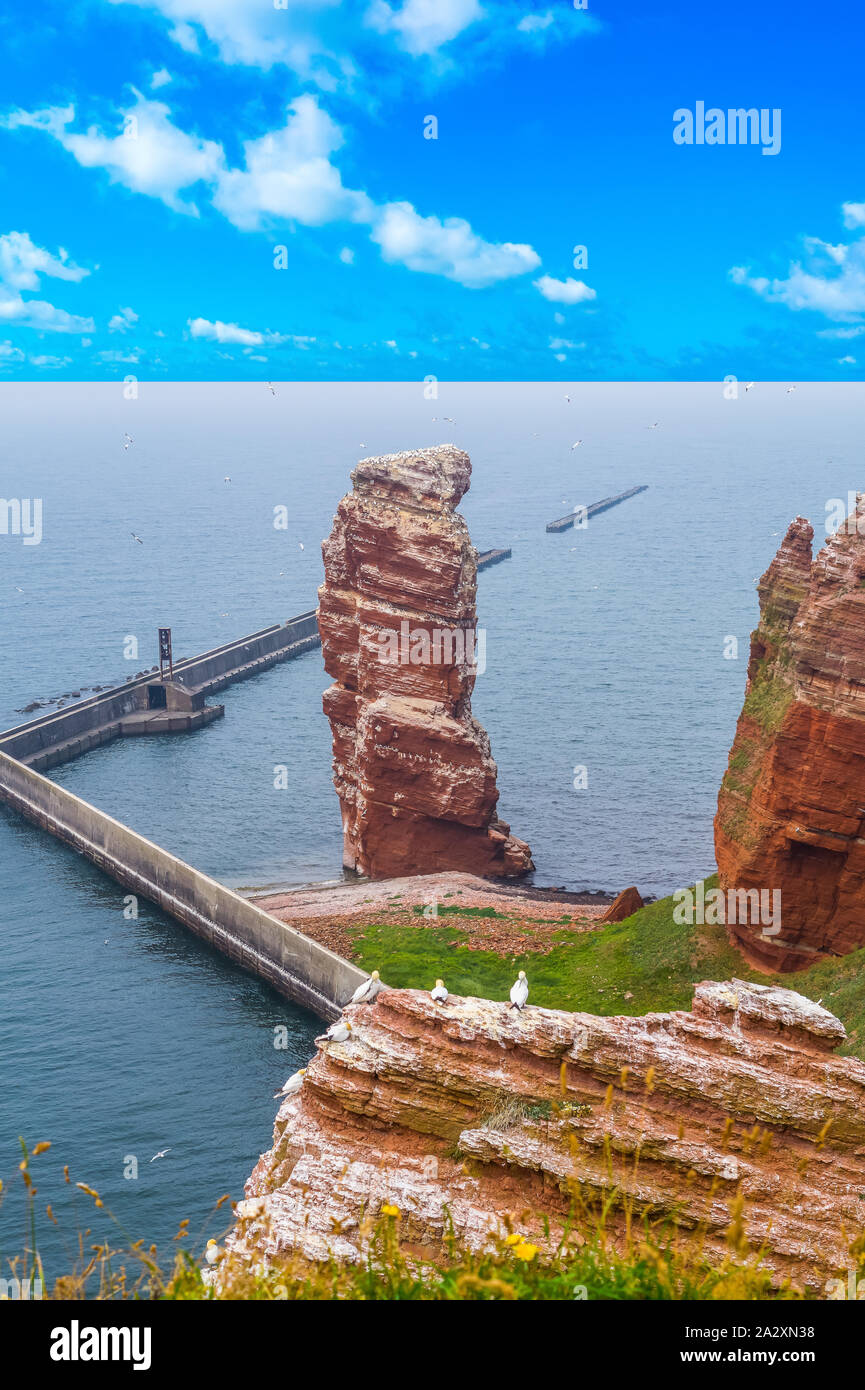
412, 767
791, 809
462, 1113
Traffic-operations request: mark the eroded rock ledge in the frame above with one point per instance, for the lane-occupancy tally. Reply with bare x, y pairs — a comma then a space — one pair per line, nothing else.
412, 767
446, 1111
791, 810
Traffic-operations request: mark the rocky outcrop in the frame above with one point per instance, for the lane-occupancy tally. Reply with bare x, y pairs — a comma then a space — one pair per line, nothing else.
791, 809
412, 767
465, 1112
625, 905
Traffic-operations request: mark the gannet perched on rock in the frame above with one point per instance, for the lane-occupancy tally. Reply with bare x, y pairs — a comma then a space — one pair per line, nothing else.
212, 1252
337, 1032
439, 994
519, 991
293, 1084
366, 992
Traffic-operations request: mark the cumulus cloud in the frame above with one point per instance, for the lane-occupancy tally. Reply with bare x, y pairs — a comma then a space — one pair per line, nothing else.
219, 332
829, 279
853, 214
22, 264
422, 26
256, 34
121, 321
447, 247
568, 291
532, 23
148, 154
160, 79
289, 175
10, 353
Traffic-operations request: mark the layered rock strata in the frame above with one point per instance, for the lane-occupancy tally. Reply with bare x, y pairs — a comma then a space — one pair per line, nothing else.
791, 809
412, 767
468, 1112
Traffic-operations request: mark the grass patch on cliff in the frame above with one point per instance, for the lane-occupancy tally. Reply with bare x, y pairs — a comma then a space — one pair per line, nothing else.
649, 956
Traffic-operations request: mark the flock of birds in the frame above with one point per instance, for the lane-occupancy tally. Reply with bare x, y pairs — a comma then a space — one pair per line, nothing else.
367, 993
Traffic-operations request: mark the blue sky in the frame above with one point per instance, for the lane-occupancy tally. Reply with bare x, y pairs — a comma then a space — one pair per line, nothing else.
155, 154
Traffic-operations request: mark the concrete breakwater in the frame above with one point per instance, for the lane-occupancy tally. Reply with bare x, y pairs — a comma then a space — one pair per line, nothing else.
57, 738
294, 965
564, 523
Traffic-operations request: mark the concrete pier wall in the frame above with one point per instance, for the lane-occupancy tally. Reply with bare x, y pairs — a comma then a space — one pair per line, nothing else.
295, 966
56, 738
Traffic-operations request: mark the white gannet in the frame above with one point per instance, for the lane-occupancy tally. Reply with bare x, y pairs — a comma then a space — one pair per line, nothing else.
577, 445
292, 1085
127, 440
439, 994
568, 399
136, 538
161, 1154
656, 426
520, 991
367, 991
300, 543
337, 1032
226, 479
789, 389
212, 1252
270, 385
748, 385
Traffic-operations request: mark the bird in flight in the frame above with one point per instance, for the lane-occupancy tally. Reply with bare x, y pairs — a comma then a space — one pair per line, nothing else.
789, 389
226, 479
577, 445
136, 538
748, 385
127, 440
656, 426
271, 388
161, 1154
568, 399
300, 543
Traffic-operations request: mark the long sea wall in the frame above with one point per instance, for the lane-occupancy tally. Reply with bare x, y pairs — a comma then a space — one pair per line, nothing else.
295, 966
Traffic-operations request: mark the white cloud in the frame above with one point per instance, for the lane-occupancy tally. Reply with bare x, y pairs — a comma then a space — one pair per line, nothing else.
558, 318
256, 34
160, 78
447, 247
10, 353
22, 264
219, 332
149, 154
346, 255
289, 175
568, 291
853, 214
557, 344
847, 361
531, 23
46, 361
855, 332
122, 320
422, 26
111, 355
829, 280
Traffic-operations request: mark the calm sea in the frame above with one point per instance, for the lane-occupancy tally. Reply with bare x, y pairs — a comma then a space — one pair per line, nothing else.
605, 651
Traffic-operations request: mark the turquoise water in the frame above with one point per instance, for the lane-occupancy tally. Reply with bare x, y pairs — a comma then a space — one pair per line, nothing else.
605, 649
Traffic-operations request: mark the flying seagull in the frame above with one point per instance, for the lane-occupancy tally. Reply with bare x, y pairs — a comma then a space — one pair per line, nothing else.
272, 391
292, 1085
367, 991
577, 445
136, 538
520, 991
439, 994
161, 1154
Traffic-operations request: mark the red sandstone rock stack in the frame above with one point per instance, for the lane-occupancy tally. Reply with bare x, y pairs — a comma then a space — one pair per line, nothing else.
412, 767
462, 1114
791, 810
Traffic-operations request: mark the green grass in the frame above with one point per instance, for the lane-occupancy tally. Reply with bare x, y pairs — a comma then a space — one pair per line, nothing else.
648, 955
455, 911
